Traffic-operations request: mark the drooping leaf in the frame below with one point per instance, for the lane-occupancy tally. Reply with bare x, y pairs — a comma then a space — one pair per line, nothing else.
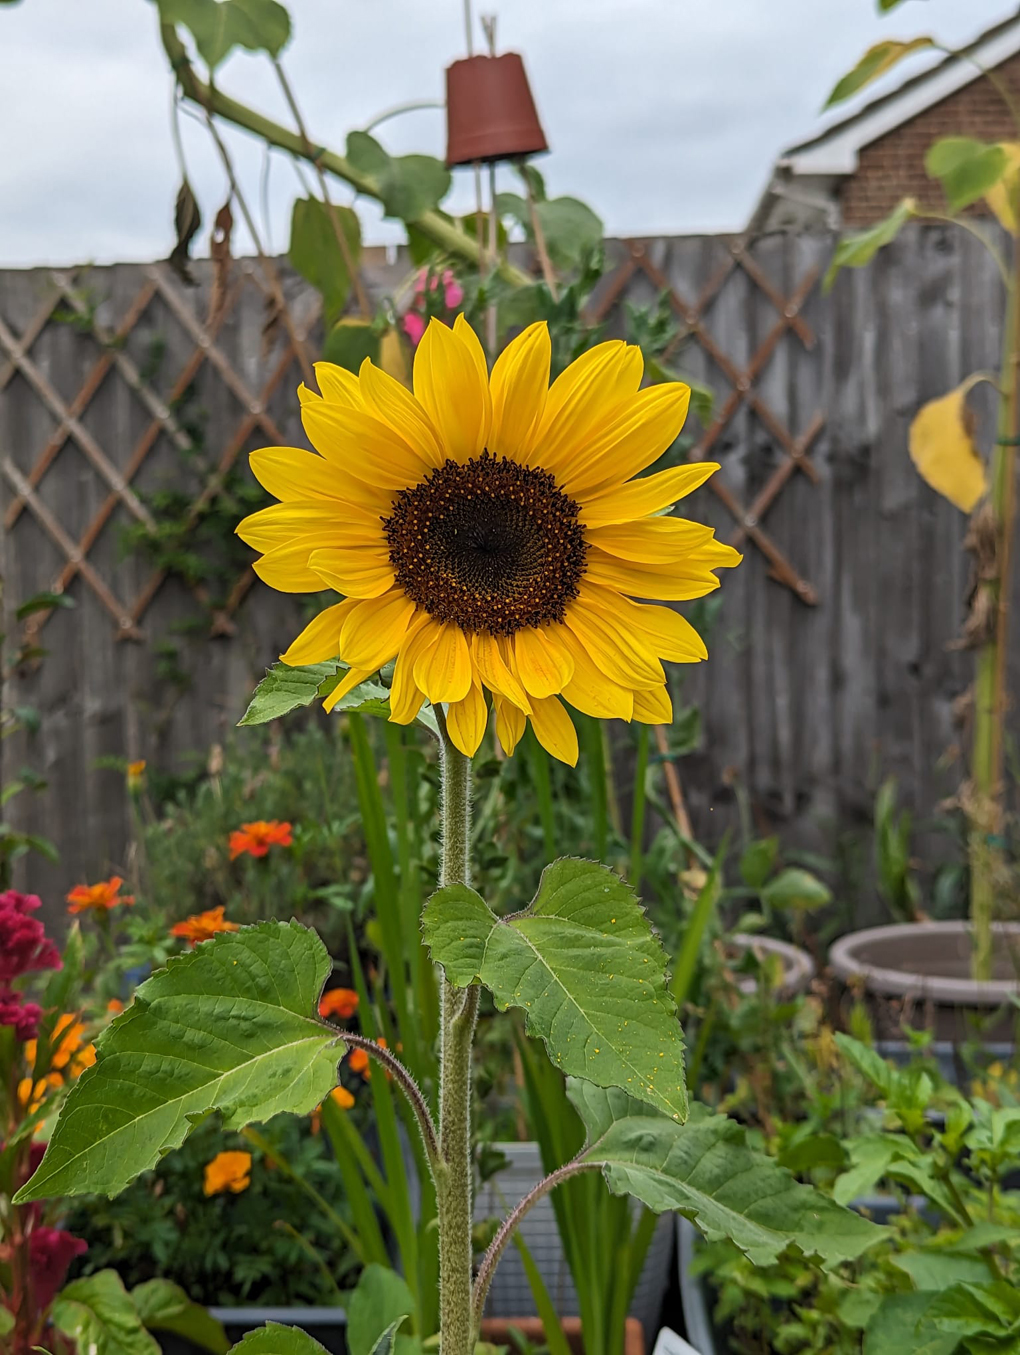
408, 185
350, 342
586, 968
226, 1027
901, 1324
164, 1306
1004, 197
942, 448
218, 26
97, 1315
268, 25
967, 169
187, 221
797, 890
377, 1308
284, 689
857, 250
43, 602
316, 253
875, 62
365, 154
275, 1339
704, 1170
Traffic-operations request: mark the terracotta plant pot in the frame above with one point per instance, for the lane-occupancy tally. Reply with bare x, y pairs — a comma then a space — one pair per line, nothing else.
798, 966
918, 973
497, 1331
490, 114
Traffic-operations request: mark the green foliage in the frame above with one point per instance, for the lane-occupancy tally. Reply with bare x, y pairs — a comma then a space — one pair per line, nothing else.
284, 689
967, 169
240, 1005
218, 26
584, 965
225, 1249
351, 341
796, 890
858, 250
275, 1339
316, 253
376, 1310
876, 61
97, 1314
705, 1170
408, 185
896, 882
164, 1306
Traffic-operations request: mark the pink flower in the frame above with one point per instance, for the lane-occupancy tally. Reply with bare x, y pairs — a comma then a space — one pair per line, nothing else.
50, 1253
24, 945
454, 292
23, 1016
414, 327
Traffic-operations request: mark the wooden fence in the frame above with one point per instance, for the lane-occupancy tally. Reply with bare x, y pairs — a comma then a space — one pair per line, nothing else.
122, 391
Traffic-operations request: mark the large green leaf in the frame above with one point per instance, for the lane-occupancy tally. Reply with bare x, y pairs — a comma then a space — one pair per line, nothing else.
991, 1310
316, 253
284, 689
704, 1170
876, 61
164, 1306
858, 250
586, 968
967, 169
409, 185
351, 341
226, 1027
570, 229
274, 1339
97, 1315
901, 1326
218, 26
379, 1305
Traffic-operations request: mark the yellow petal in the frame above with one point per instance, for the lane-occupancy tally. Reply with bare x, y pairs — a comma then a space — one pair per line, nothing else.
655, 541
519, 384
394, 404
590, 691
301, 518
466, 721
494, 672
289, 473
1002, 199
406, 699
673, 583
581, 400
654, 707
670, 635
287, 569
338, 385
942, 449
555, 730
510, 723
543, 665
352, 679
620, 653
320, 639
375, 629
642, 430
443, 670
623, 503
361, 573
473, 343
450, 387
363, 445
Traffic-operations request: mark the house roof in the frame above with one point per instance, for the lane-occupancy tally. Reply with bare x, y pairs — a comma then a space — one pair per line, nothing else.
805, 177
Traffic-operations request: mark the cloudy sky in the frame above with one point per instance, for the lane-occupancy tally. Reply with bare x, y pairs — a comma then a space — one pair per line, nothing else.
664, 115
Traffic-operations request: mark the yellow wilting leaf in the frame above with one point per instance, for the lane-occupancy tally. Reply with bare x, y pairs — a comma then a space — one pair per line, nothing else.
942, 448
1002, 199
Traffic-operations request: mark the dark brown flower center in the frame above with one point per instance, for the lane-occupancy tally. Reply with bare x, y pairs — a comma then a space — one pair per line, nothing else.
489, 545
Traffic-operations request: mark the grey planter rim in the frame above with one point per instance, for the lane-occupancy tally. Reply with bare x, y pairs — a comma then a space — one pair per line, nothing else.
798, 966
902, 982
256, 1316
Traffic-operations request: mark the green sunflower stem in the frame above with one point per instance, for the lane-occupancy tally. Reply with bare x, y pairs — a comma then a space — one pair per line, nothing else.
460, 1011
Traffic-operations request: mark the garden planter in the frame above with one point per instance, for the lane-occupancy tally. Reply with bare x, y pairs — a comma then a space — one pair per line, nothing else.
496, 1330
798, 966
510, 1293
327, 1325
919, 973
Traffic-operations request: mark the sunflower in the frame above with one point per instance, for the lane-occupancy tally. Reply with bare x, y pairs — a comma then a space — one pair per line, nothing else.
487, 533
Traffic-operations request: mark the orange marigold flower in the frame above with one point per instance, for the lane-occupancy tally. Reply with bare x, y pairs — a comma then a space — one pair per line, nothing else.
359, 1060
115, 1006
202, 926
256, 838
339, 1002
227, 1171
135, 774
341, 1097
101, 897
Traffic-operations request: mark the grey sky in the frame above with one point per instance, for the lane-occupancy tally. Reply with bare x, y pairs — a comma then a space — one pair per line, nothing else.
664, 115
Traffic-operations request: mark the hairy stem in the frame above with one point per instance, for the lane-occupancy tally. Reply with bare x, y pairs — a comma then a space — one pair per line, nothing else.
407, 1085
460, 1011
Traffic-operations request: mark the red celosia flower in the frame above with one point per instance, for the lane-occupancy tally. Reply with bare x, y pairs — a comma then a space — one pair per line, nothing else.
24, 945
256, 838
201, 926
50, 1253
101, 897
339, 1002
23, 1016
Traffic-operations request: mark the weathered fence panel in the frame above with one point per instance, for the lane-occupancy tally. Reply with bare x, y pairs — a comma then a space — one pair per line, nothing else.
120, 389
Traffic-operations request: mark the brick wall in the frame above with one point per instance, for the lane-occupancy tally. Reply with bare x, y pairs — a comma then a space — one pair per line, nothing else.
892, 167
